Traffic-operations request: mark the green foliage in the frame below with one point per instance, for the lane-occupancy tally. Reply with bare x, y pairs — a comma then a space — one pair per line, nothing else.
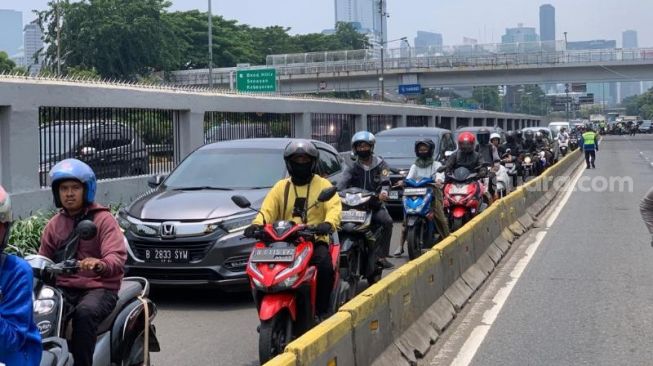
529, 99
639, 105
6, 64
80, 72
487, 97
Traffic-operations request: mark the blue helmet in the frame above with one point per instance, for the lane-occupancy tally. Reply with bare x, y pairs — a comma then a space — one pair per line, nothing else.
363, 136
76, 170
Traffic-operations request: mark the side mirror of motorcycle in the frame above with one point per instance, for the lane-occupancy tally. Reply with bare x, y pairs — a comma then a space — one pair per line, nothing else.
241, 201
327, 194
86, 229
448, 154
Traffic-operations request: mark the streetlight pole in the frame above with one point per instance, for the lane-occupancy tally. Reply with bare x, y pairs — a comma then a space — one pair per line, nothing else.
58, 6
210, 46
382, 17
565, 41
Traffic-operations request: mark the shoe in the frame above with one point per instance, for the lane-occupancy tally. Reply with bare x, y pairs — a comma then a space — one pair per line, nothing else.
588, 167
593, 166
386, 264
398, 253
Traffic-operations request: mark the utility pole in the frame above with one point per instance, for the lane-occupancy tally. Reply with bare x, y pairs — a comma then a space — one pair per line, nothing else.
210, 46
381, 79
57, 9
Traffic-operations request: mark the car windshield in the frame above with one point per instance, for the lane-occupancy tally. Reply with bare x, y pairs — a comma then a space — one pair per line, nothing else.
228, 169
398, 146
56, 140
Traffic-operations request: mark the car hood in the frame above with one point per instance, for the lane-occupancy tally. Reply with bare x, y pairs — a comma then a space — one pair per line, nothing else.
399, 163
163, 205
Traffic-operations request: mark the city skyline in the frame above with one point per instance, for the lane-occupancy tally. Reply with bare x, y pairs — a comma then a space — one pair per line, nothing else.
454, 20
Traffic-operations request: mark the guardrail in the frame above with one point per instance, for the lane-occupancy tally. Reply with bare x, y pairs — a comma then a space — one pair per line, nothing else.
395, 321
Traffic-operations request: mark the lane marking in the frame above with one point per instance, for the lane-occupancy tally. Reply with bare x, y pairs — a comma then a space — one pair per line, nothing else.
478, 334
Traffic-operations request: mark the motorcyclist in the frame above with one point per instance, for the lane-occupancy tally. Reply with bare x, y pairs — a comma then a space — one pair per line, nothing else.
489, 154
529, 144
93, 291
563, 138
495, 140
511, 152
466, 157
20, 341
426, 167
290, 198
370, 172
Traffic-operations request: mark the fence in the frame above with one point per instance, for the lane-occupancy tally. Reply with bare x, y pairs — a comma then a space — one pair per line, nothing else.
334, 129
417, 121
377, 123
115, 142
221, 126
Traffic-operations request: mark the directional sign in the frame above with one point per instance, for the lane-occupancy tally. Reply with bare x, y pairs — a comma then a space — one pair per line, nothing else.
589, 99
262, 80
410, 89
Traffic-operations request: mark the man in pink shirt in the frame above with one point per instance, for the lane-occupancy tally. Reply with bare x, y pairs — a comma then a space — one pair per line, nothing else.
93, 291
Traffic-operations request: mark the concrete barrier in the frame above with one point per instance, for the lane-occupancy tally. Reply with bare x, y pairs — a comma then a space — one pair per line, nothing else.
329, 343
284, 359
515, 208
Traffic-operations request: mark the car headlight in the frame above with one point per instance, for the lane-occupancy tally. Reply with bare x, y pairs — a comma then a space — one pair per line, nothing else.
42, 307
123, 222
237, 224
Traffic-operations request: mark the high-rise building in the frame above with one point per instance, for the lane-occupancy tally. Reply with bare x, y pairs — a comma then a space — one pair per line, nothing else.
33, 46
11, 35
367, 14
597, 44
428, 40
629, 39
606, 93
520, 34
547, 23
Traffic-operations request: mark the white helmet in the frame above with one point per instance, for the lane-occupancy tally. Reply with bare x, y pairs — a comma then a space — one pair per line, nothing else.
495, 136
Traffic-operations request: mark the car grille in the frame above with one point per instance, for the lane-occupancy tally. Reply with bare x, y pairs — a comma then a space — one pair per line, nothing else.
236, 264
190, 274
196, 250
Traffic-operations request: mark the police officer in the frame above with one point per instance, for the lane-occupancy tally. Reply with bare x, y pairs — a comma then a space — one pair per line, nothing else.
590, 143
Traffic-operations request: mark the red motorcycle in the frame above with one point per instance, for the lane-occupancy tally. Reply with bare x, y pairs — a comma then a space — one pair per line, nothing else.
464, 197
284, 282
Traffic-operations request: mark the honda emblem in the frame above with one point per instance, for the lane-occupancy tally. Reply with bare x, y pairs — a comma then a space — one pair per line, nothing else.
168, 230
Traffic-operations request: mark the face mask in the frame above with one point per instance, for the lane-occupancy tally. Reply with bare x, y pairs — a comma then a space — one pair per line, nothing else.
364, 154
301, 174
422, 155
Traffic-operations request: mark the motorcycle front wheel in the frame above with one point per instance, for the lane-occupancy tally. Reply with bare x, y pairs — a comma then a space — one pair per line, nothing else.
274, 335
414, 239
457, 224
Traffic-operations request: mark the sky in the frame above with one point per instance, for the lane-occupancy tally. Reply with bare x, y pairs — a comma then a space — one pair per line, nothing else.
483, 20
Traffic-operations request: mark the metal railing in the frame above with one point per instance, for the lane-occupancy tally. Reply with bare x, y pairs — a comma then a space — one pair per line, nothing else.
114, 142
223, 126
334, 129
417, 121
378, 122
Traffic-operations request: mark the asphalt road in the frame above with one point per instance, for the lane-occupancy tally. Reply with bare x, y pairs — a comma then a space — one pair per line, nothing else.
586, 295
209, 327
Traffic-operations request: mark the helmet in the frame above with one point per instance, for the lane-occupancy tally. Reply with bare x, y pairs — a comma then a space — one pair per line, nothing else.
510, 136
483, 136
528, 135
466, 142
363, 136
425, 141
539, 136
5, 218
300, 147
73, 169
495, 136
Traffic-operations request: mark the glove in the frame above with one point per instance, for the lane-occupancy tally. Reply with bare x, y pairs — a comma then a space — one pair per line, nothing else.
441, 169
323, 228
251, 230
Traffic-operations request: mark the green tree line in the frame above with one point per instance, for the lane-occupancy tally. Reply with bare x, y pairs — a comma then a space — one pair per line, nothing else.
131, 39
640, 105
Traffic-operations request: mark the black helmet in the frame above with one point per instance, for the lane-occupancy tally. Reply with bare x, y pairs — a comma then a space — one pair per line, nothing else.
483, 136
6, 218
299, 175
528, 135
425, 141
539, 136
510, 136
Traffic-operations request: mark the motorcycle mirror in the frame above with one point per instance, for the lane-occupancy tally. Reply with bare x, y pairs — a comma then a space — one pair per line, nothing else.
327, 194
241, 201
86, 229
448, 154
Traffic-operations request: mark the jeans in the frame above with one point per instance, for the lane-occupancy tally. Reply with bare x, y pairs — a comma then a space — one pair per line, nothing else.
90, 308
381, 217
325, 276
590, 157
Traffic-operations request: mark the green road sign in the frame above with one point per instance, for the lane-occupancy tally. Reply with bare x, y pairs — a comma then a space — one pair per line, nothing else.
263, 80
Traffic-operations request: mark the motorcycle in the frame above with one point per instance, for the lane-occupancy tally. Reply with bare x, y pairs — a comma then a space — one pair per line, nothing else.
564, 148
511, 167
504, 179
358, 238
528, 167
284, 282
420, 229
464, 197
573, 143
125, 337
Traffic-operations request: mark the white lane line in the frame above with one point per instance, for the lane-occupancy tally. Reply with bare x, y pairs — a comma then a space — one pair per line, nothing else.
477, 336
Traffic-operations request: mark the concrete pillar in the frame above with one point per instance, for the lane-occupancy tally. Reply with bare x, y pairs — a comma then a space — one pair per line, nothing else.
361, 122
19, 149
402, 120
191, 132
454, 123
485, 122
303, 125
431, 121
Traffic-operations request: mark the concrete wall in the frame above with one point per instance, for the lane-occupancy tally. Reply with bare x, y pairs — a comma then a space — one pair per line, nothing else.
20, 99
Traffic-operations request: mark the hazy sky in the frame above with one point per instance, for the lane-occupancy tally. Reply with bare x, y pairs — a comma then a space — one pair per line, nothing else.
484, 20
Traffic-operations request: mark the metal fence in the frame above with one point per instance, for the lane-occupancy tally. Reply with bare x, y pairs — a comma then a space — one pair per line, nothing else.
223, 126
334, 129
377, 122
114, 142
417, 121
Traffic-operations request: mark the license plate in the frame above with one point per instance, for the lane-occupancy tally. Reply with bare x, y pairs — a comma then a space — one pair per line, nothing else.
353, 216
509, 165
167, 255
414, 191
394, 195
458, 190
273, 255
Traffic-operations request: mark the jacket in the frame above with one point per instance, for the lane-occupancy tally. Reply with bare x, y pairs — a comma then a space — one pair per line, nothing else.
488, 152
471, 161
375, 178
108, 246
20, 341
431, 171
646, 208
274, 202
590, 141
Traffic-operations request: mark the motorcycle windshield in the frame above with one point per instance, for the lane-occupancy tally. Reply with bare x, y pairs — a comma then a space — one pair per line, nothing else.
461, 174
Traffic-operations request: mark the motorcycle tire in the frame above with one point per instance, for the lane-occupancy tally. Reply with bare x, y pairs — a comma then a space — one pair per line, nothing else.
375, 277
352, 274
457, 224
414, 240
134, 354
274, 335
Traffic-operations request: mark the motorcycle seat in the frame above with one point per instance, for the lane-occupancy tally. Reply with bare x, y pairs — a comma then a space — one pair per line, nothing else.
129, 290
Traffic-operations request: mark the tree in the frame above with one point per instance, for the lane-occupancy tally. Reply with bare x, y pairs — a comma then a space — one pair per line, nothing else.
6, 64
487, 97
349, 38
529, 99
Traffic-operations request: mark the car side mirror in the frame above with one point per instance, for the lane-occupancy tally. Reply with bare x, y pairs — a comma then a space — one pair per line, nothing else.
241, 201
327, 194
87, 151
156, 180
86, 230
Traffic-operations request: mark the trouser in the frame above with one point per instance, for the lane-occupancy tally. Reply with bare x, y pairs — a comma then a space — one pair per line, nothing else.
89, 309
381, 217
325, 275
590, 157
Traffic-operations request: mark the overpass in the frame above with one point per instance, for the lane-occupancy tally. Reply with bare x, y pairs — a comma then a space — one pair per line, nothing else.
361, 69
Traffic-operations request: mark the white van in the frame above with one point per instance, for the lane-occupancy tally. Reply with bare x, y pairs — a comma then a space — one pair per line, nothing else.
555, 127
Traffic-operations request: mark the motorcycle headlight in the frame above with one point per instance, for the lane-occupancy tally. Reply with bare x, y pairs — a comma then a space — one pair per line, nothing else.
235, 225
288, 282
296, 263
527, 160
43, 307
354, 199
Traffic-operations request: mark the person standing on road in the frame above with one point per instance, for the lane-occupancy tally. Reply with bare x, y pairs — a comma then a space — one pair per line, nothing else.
646, 207
590, 143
